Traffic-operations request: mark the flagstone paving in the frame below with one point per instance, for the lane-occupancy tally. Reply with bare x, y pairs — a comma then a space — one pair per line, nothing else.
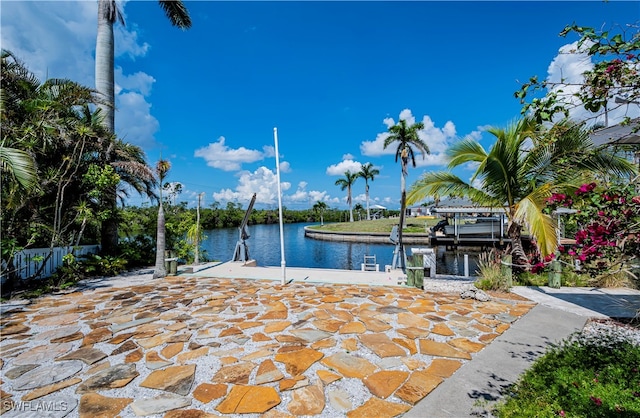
196, 347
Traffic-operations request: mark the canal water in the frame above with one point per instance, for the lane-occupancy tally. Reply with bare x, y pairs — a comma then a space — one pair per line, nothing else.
264, 247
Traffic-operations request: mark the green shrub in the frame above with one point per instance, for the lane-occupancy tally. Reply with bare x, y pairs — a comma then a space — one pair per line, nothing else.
139, 252
587, 375
490, 272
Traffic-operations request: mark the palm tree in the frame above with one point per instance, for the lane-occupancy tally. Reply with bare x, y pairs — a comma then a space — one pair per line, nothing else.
108, 15
519, 172
162, 168
347, 183
320, 207
407, 138
368, 172
19, 165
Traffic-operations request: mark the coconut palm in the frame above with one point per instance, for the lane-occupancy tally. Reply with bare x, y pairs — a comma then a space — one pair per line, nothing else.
347, 183
162, 168
108, 15
368, 172
320, 207
520, 172
407, 138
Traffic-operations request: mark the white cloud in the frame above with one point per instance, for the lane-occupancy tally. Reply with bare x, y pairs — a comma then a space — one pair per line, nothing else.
57, 39
344, 166
347, 156
134, 122
262, 182
317, 196
437, 139
218, 155
140, 82
566, 72
285, 167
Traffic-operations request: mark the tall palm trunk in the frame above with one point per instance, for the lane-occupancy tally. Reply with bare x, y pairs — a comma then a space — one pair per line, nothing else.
366, 190
104, 74
159, 271
350, 206
104, 64
403, 204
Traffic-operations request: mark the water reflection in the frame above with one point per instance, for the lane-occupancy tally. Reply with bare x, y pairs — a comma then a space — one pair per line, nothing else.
264, 247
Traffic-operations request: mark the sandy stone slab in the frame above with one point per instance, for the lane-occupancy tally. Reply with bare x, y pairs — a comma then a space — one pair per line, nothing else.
438, 349
235, 373
419, 385
57, 320
308, 400
354, 327
93, 405
111, 378
310, 335
267, 373
56, 333
378, 408
467, 345
176, 379
382, 345
19, 370
384, 383
45, 390
47, 375
171, 350
119, 327
159, 404
296, 362
206, 392
327, 376
340, 400
42, 354
349, 365
96, 336
89, 355
189, 413
443, 367
249, 400
276, 326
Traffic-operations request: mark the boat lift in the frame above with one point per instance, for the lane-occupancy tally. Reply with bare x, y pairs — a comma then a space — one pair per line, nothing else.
241, 252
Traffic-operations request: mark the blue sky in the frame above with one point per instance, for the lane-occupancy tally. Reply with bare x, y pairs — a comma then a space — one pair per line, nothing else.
331, 76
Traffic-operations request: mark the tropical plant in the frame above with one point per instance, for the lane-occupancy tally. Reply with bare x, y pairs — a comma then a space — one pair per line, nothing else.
613, 81
162, 168
320, 207
347, 183
368, 172
108, 15
608, 230
520, 171
407, 138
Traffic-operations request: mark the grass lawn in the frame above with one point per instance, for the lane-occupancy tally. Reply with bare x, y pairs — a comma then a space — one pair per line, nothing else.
415, 225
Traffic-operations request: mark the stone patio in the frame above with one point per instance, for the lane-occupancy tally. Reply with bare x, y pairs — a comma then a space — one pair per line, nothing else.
196, 347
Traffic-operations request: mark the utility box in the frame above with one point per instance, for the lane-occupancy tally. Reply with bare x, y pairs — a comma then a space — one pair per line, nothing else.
170, 263
428, 260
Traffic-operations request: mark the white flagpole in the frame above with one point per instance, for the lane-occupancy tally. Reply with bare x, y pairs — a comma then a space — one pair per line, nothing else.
283, 263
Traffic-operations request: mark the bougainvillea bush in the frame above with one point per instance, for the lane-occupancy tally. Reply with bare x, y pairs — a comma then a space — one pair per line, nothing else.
608, 229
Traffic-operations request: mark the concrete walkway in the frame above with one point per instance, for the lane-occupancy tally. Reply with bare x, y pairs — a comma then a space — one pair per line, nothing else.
559, 313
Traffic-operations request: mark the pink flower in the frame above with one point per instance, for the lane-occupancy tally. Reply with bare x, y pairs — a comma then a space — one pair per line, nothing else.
596, 401
561, 413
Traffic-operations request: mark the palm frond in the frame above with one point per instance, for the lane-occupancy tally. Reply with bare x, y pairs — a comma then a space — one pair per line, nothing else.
529, 211
177, 13
19, 164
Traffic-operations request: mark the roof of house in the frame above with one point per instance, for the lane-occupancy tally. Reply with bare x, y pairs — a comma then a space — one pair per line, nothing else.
628, 134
